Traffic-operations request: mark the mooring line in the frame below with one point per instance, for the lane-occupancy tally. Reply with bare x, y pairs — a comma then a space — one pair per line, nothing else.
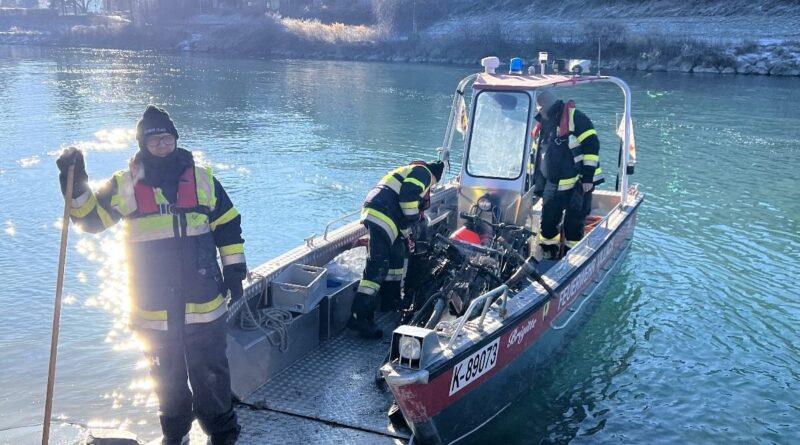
261, 406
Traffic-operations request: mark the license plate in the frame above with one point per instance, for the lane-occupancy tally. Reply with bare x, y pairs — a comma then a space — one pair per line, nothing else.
474, 366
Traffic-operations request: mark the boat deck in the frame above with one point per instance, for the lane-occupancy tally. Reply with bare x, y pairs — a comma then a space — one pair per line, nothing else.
329, 396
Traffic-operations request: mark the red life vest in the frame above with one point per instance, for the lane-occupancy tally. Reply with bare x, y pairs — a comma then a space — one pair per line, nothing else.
187, 195
563, 128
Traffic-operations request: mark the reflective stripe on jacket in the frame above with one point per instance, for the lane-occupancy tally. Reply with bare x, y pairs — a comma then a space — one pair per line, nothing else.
567, 153
171, 247
397, 199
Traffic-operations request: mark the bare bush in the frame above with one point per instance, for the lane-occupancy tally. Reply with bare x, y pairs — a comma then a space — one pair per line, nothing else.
604, 31
408, 16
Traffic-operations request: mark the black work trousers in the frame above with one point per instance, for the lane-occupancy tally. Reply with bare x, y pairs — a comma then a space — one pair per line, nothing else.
386, 266
574, 205
192, 380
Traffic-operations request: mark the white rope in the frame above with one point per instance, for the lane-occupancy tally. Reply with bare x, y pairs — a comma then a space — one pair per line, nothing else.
273, 318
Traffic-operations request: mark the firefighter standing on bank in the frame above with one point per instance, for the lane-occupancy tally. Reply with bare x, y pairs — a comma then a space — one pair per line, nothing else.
392, 213
177, 216
566, 170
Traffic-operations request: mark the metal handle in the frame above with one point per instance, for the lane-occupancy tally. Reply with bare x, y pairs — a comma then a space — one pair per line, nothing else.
394, 378
328, 226
485, 299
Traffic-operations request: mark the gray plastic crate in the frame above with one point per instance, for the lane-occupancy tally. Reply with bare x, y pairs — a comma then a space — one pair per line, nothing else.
298, 288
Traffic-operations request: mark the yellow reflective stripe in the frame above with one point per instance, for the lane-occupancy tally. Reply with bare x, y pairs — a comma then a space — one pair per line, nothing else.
231, 249
568, 181
160, 198
399, 271
87, 207
149, 315
392, 182
369, 284
205, 312
571, 244
368, 287
197, 230
382, 220
206, 195
586, 134
417, 182
591, 158
226, 217
202, 308
549, 241
151, 227
151, 223
124, 199
105, 218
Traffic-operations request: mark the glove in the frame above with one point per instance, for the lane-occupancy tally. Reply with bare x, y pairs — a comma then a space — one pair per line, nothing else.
232, 276
576, 200
80, 181
418, 229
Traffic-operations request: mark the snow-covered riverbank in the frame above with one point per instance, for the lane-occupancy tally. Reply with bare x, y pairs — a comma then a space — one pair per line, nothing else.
701, 44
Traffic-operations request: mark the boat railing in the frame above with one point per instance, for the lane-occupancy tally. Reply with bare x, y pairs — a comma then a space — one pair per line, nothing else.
341, 218
485, 299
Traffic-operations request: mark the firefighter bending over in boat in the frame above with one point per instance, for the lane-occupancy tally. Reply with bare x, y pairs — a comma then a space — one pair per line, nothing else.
566, 170
177, 216
393, 214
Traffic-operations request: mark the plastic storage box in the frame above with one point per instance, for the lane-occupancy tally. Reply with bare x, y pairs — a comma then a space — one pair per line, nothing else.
298, 288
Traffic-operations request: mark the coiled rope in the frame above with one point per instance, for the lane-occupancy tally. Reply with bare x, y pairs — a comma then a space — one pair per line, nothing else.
261, 319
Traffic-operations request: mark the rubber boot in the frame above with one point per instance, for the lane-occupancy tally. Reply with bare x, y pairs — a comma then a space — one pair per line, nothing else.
225, 437
549, 252
175, 441
362, 317
390, 296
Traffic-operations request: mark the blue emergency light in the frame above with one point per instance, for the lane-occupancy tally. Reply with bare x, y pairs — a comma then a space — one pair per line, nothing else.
515, 67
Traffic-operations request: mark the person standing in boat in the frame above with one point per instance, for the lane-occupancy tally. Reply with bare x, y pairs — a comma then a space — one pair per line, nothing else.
392, 213
566, 166
177, 216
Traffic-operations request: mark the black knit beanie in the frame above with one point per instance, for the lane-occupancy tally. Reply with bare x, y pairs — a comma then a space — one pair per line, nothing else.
154, 121
436, 168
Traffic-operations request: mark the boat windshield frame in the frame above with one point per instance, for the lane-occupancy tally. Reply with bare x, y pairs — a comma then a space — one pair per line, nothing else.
472, 140
508, 82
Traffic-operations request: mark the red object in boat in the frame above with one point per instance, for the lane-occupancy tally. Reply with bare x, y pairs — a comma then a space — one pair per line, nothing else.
590, 223
467, 236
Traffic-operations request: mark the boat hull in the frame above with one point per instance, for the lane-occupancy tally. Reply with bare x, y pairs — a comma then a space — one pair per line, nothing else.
478, 384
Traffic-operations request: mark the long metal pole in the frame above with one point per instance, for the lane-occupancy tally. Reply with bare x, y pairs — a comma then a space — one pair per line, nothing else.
62, 256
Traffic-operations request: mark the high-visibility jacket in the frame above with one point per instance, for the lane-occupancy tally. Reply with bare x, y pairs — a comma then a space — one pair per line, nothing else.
397, 200
565, 149
174, 276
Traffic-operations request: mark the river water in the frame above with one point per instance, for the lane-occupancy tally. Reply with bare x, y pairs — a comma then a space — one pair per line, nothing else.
696, 340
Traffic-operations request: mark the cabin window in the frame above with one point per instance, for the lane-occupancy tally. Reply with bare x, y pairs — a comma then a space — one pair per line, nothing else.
497, 144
